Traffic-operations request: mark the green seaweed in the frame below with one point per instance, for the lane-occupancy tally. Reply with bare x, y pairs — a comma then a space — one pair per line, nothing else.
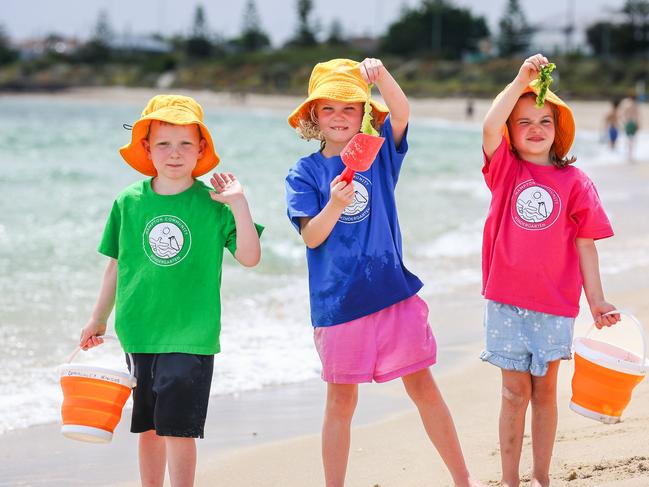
366, 124
544, 81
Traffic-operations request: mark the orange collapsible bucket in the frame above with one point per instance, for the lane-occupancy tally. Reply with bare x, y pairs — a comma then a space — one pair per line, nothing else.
93, 398
605, 376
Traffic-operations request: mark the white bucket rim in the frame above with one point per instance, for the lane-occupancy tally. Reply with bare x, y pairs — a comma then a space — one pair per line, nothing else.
582, 349
88, 434
634, 368
127, 379
99, 373
604, 418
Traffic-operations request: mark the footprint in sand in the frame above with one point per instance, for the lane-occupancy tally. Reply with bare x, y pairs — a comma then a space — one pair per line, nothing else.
584, 474
598, 432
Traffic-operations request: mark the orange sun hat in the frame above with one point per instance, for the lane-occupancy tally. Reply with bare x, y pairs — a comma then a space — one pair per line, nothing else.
176, 110
339, 80
564, 134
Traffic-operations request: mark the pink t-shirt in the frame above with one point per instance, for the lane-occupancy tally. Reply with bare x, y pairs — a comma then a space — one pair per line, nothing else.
529, 254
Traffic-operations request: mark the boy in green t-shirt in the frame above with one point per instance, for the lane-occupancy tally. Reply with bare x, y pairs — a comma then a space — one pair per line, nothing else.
165, 238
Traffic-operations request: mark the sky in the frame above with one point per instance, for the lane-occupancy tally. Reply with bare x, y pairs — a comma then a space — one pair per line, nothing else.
23, 19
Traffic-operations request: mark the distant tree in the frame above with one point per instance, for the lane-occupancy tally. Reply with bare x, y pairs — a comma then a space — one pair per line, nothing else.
103, 32
607, 38
515, 33
7, 54
199, 27
436, 28
637, 13
336, 36
306, 32
198, 45
252, 37
627, 38
55, 45
97, 49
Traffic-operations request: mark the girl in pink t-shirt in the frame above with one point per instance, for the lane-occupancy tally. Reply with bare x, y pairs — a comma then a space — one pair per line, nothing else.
538, 252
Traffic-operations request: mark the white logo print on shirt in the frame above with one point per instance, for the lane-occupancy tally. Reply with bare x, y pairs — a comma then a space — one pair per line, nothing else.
359, 209
535, 206
166, 240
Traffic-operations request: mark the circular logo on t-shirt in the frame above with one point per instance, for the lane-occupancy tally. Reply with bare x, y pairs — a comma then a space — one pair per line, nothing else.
359, 209
536, 206
166, 240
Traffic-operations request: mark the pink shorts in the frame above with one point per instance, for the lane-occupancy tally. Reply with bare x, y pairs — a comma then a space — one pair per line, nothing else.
390, 343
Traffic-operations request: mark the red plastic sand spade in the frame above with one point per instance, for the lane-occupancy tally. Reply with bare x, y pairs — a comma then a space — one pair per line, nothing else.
361, 150
359, 154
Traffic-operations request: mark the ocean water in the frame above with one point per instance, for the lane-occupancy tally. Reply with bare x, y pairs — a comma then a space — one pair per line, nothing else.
60, 171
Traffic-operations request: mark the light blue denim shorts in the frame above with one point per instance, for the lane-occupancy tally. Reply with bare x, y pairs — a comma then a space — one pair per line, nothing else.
524, 340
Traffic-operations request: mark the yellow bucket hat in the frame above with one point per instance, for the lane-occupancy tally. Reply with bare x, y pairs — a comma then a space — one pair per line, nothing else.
340, 80
564, 134
177, 110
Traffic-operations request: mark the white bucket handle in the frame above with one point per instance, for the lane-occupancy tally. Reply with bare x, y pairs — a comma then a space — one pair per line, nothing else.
104, 337
640, 329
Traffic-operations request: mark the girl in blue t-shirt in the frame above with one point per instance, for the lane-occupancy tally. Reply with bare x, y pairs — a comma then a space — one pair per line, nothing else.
369, 322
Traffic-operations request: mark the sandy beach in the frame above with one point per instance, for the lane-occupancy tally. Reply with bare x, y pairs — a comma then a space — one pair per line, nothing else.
395, 452
271, 437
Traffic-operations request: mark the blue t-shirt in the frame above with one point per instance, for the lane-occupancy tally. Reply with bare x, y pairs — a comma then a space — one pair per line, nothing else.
358, 269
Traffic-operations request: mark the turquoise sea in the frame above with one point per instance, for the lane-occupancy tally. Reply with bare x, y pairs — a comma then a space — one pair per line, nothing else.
60, 171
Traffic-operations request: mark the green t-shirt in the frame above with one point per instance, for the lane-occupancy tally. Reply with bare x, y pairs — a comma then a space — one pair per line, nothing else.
169, 251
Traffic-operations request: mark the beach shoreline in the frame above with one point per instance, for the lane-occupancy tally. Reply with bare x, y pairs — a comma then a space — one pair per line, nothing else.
249, 443
589, 115
39, 455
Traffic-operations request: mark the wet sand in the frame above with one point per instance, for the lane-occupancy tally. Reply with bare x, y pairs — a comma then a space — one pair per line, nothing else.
271, 437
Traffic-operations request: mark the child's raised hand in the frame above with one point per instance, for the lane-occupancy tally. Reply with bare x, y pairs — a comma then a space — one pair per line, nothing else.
371, 69
598, 310
341, 193
227, 188
530, 68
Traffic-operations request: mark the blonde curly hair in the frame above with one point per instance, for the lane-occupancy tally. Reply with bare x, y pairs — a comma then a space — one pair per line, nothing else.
309, 129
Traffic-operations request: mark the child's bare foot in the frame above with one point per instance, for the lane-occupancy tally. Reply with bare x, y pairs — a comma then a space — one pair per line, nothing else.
540, 483
471, 482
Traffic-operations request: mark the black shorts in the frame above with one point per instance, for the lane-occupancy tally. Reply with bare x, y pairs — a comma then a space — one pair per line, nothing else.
172, 393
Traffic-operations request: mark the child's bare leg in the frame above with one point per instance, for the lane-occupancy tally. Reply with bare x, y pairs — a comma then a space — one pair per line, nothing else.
181, 453
336, 431
544, 424
516, 393
153, 459
438, 423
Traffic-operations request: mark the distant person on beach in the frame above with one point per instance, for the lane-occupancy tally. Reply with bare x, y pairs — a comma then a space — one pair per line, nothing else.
611, 121
469, 109
538, 251
369, 323
630, 116
165, 238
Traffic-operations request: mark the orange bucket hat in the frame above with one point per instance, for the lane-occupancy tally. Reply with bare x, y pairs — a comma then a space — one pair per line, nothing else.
176, 110
340, 80
564, 134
